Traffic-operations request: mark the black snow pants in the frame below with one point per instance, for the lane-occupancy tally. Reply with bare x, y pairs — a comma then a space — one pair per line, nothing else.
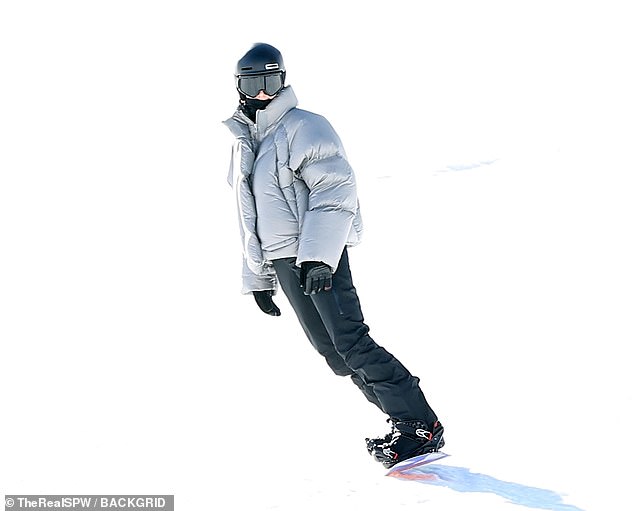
335, 326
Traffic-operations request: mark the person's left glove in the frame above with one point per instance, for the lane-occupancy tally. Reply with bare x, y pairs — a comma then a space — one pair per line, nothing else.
315, 277
264, 299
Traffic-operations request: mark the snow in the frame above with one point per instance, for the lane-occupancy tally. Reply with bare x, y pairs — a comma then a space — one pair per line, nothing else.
492, 145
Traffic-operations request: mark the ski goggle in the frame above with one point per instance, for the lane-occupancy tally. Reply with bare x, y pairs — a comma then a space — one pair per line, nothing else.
252, 85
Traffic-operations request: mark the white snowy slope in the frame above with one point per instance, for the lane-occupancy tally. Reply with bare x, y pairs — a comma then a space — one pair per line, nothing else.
498, 291
492, 146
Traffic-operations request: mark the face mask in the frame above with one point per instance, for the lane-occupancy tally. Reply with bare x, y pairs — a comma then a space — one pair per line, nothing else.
250, 106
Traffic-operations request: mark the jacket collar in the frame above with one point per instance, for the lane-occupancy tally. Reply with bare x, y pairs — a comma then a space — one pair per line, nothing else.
281, 104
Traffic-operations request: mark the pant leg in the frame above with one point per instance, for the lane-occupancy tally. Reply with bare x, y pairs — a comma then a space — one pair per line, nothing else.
313, 326
397, 391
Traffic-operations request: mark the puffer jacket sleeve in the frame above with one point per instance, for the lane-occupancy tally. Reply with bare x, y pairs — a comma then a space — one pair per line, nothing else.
318, 158
252, 281
257, 274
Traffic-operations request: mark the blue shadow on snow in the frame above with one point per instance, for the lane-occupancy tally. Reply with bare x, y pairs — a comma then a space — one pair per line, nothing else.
463, 480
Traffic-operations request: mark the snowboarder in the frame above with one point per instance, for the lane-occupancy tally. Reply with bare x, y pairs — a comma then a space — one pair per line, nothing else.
298, 212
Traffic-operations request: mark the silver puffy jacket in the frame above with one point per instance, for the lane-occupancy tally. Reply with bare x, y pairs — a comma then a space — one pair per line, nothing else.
296, 192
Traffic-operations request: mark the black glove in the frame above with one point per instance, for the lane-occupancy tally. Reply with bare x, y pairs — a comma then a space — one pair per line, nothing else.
264, 299
315, 277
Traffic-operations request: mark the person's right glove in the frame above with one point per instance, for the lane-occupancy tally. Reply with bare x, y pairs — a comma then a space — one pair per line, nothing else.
315, 277
264, 299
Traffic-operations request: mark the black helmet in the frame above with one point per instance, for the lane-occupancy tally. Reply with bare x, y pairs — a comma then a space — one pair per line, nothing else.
260, 59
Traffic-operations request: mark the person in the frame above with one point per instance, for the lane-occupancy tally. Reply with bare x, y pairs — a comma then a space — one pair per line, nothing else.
298, 214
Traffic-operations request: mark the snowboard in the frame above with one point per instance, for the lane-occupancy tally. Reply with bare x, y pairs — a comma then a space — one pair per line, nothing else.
409, 469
